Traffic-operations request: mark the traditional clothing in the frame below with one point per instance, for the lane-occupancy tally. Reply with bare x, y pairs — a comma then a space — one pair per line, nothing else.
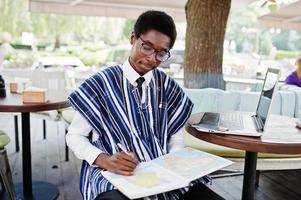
112, 106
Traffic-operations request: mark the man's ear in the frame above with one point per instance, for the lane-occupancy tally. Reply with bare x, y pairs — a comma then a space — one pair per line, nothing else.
132, 38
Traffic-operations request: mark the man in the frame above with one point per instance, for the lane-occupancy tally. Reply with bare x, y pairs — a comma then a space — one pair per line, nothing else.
135, 105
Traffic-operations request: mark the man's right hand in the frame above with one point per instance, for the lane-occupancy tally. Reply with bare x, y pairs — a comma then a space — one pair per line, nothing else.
120, 163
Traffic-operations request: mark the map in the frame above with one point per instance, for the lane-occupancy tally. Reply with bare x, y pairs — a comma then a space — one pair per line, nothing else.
169, 172
188, 162
146, 176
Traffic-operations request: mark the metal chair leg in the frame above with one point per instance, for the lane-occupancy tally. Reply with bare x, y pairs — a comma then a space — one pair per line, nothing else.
44, 129
16, 133
1, 183
257, 178
6, 176
66, 148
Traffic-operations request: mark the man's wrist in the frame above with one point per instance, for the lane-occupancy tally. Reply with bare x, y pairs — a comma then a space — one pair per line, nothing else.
101, 160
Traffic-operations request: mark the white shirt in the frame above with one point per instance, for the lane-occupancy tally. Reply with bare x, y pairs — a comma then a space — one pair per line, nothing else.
79, 129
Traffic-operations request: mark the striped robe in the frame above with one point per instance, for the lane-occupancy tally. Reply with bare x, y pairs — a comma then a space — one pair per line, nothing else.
112, 106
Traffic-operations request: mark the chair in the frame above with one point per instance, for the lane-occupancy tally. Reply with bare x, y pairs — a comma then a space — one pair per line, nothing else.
75, 77
52, 79
5, 172
297, 91
16, 124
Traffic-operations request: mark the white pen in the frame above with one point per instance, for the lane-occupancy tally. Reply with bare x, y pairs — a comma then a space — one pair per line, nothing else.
123, 149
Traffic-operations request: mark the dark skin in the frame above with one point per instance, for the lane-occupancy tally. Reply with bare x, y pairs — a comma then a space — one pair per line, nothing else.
121, 162
141, 62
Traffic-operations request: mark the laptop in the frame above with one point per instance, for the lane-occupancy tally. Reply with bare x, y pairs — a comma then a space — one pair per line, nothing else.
237, 123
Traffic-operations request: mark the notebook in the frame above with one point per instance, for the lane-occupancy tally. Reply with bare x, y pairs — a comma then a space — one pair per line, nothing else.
241, 124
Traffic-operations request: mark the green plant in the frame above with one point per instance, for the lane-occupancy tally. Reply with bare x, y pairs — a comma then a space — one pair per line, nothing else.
281, 54
21, 46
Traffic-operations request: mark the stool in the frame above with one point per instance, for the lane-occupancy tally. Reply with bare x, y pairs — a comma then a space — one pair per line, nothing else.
5, 172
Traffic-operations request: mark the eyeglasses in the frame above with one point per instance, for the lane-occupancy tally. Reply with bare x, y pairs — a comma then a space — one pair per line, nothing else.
148, 50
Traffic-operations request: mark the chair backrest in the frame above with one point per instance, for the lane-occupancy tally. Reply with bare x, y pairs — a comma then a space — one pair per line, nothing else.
209, 100
297, 91
53, 79
217, 100
4, 140
74, 77
49, 79
10, 74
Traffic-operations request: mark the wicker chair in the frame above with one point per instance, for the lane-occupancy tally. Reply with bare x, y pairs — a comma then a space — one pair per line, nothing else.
5, 172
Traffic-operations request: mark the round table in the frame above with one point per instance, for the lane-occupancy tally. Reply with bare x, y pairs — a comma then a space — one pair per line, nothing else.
29, 189
275, 139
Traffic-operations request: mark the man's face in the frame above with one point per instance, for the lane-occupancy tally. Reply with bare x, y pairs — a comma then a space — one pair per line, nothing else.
140, 61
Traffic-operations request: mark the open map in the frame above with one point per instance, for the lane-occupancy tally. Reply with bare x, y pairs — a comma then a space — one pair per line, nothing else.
187, 163
171, 171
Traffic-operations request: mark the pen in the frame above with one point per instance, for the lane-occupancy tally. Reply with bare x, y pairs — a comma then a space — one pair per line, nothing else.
123, 149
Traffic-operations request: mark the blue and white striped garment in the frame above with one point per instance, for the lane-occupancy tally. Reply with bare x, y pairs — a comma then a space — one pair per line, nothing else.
112, 106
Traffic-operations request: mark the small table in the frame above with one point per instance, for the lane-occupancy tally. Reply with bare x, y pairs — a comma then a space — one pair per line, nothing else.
13, 103
276, 139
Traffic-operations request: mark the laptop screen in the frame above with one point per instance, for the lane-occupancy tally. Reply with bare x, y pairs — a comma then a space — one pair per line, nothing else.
268, 89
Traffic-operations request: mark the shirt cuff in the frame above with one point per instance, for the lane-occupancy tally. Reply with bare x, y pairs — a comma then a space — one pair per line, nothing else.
176, 141
93, 153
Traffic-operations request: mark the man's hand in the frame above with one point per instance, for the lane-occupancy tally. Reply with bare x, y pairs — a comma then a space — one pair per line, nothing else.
120, 163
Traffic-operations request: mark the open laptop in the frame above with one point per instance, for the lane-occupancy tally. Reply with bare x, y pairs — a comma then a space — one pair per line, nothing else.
241, 124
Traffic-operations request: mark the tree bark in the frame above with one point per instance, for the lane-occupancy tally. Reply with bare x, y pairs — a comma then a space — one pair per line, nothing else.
206, 26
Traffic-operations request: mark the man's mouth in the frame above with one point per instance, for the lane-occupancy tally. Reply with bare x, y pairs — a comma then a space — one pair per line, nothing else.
148, 66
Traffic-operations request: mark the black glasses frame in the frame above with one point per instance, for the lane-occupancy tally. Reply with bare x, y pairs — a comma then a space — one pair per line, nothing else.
161, 59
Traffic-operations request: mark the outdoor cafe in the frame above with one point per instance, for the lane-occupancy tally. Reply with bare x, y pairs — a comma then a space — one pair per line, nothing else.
44, 74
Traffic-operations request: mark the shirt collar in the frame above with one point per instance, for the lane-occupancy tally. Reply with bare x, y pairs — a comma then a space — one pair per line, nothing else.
130, 74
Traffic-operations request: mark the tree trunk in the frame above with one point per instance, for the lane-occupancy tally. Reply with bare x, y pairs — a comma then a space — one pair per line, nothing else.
57, 43
206, 26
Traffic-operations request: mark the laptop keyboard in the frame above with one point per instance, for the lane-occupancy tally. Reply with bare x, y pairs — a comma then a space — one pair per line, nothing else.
258, 123
233, 121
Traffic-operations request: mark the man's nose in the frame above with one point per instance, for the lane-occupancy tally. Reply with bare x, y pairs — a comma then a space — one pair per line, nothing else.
152, 57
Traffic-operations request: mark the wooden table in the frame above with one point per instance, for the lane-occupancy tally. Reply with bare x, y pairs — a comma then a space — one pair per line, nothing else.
13, 103
276, 139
